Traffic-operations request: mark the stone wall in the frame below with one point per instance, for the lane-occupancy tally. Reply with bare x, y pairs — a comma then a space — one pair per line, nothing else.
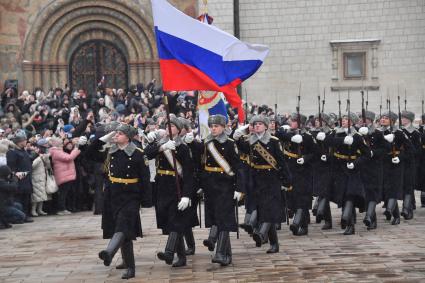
299, 33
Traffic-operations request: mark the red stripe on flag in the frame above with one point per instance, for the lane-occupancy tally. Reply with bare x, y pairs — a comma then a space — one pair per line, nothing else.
178, 76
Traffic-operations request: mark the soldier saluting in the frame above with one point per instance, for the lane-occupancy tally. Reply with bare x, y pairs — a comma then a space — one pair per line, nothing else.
127, 176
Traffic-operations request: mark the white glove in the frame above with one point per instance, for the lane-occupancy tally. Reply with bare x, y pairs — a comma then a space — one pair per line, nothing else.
183, 204
364, 131
200, 191
237, 196
171, 145
348, 140
285, 127
239, 132
323, 158
350, 165
321, 136
389, 138
188, 138
300, 161
151, 137
297, 139
371, 153
395, 160
108, 137
82, 140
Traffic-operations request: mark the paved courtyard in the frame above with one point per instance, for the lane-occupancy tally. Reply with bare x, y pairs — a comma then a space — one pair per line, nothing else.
65, 248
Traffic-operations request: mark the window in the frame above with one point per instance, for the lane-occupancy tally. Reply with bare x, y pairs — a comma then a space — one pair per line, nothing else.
354, 65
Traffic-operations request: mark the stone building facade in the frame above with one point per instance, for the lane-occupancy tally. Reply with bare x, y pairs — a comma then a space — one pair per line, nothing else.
308, 40
322, 45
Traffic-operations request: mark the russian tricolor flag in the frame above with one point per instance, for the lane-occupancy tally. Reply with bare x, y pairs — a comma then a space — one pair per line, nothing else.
196, 56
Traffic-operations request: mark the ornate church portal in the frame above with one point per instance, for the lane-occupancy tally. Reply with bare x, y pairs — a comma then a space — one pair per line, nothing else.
94, 60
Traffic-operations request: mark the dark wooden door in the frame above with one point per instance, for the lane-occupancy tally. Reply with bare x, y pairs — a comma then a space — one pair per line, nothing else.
94, 60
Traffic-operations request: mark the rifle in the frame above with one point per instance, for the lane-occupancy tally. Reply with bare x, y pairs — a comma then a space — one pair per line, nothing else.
363, 109
339, 108
173, 153
399, 112
391, 127
380, 106
405, 100
349, 113
323, 101
320, 113
299, 117
423, 120
367, 99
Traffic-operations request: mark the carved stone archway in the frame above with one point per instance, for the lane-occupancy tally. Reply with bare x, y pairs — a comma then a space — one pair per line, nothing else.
63, 25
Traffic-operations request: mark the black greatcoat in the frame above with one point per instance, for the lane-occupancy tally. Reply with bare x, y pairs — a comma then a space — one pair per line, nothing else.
413, 148
347, 183
123, 200
168, 217
219, 187
321, 169
302, 175
394, 173
372, 171
421, 166
19, 160
244, 181
266, 183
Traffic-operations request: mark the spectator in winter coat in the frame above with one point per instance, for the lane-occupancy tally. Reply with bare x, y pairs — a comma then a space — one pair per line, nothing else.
64, 171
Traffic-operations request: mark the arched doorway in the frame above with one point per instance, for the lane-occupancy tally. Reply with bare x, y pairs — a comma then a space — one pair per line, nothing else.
96, 59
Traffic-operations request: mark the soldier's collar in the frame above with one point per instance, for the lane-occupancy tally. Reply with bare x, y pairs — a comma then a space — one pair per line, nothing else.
129, 149
410, 128
265, 138
220, 138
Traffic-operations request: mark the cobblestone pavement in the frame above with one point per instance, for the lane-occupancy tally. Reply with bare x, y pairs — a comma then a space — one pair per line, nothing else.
65, 248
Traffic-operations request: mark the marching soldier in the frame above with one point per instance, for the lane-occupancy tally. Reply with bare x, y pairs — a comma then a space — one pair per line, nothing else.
172, 202
393, 166
421, 169
373, 171
347, 189
219, 164
413, 150
322, 170
299, 151
269, 171
127, 176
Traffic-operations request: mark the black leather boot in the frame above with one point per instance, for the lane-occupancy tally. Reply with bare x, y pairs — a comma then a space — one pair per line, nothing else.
245, 223
396, 215
190, 242
303, 227
181, 253
274, 241
374, 222
315, 207
423, 199
298, 217
212, 238
221, 252
349, 229
229, 251
170, 249
128, 253
261, 235
252, 222
122, 265
370, 212
114, 244
327, 217
391, 204
407, 211
347, 214
321, 209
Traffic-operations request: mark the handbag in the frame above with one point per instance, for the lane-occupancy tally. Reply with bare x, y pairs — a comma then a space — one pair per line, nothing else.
51, 186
